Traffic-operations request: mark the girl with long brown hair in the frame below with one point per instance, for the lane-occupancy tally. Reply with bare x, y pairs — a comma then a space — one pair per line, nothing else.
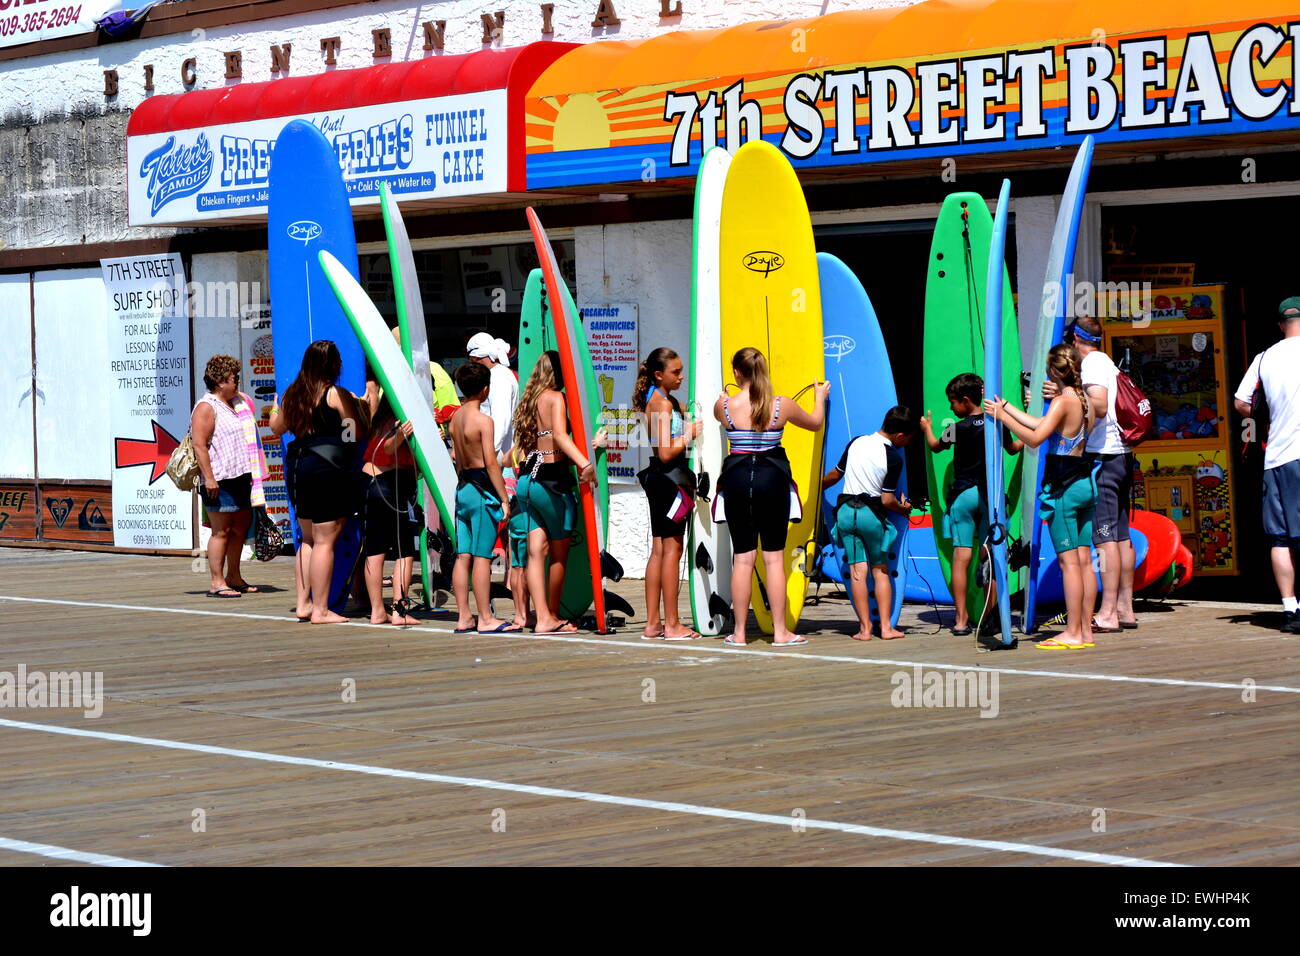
1069, 492
755, 484
545, 490
669, 487
320, 470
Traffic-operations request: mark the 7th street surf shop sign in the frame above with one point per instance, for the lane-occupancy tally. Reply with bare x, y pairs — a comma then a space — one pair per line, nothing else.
442, 146
1214, 80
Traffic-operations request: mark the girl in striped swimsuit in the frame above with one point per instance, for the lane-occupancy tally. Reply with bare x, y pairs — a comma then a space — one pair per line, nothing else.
755, 484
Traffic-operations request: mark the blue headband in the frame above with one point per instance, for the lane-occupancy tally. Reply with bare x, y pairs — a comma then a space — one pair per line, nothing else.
1079, 333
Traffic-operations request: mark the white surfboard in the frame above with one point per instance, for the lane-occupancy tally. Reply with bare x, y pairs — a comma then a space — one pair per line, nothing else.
709, 549
400, 386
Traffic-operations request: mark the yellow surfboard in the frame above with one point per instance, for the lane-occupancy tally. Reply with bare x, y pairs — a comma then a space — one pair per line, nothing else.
771, 300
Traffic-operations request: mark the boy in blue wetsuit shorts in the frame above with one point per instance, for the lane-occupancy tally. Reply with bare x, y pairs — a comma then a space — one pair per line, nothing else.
480, 502
965, 520
871, 467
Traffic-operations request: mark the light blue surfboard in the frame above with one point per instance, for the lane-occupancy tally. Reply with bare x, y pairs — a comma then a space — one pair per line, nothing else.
308, 212
862, 391
1049, 332
994, 462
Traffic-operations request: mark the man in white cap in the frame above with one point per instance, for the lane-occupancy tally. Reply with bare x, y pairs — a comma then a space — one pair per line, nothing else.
503, 392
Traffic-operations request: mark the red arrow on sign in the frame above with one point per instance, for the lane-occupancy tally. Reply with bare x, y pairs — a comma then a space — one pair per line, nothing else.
132, 451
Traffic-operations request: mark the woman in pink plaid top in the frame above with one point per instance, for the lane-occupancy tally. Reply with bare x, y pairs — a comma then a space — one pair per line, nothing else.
227, 466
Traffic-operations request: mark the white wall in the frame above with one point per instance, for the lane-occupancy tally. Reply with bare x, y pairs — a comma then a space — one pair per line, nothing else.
73, 429
16, 394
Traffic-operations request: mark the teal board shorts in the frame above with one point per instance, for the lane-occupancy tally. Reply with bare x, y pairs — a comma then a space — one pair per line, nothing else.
517, 533
967, 519
865, 537
1068, 512
478, 516
553, 512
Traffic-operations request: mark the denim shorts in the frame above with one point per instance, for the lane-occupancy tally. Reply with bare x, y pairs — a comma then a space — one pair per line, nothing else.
233, 494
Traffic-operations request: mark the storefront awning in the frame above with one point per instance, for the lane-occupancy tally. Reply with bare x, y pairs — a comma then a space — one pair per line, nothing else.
439, 129
940, 79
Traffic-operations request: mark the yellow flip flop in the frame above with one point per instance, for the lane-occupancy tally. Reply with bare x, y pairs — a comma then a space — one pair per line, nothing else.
1052, 644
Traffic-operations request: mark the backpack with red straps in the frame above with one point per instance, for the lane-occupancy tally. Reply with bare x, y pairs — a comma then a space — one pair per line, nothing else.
1133, 413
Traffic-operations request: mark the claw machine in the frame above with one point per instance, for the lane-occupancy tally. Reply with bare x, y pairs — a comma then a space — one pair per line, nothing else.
1175, 354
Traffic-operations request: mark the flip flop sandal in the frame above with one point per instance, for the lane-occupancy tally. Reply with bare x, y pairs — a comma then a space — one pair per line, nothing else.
1098, 629
685, 637
246, 588
962, 631
561, 633
1052, 644
797, 640
221, 593
500, 628
1128, 625
652, 637
727, 640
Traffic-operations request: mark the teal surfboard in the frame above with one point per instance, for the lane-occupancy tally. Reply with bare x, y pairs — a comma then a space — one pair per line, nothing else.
994, 462
1048, 332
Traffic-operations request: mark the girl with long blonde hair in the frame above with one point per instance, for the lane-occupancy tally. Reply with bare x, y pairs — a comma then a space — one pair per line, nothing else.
1069, 492
755, 484
545, 490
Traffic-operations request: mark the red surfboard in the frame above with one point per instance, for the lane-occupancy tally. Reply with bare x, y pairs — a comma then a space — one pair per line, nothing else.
579, 405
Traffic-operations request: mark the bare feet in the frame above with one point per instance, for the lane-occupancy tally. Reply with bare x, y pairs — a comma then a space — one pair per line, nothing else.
863, 635
401, 620
553, 626
380, 616
490, 625
651, 633
327, 617
678, 632
888, 633
787, 637
304, 612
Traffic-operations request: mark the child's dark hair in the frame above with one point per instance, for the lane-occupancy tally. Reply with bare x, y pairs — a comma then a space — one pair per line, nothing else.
898, 419
967, 385
656, 361
472, 378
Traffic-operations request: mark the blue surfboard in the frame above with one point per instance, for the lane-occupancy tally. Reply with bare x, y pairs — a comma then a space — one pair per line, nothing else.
994, 463
308, 212
862, 391
1049, 332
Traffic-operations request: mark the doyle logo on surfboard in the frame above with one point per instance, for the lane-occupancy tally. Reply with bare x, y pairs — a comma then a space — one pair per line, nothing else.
764, 262
304, 230
838, 346
176, 171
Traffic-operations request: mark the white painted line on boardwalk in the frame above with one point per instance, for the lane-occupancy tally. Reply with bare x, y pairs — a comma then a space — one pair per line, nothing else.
785, 822
694, 647
63, 853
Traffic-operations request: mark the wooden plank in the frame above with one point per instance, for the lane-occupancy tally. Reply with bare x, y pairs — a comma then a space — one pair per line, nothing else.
1183, 774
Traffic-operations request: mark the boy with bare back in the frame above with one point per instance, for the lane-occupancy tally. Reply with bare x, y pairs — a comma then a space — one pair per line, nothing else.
481, 503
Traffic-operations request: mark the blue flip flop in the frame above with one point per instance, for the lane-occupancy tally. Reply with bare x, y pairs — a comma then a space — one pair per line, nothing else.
496, 630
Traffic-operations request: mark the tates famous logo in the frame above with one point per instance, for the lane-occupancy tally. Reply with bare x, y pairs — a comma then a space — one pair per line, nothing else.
176, 171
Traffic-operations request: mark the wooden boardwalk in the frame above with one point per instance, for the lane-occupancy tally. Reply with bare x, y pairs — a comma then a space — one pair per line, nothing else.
710, 755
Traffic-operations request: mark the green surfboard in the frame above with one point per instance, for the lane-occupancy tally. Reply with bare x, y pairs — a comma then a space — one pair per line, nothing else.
537, 335
956, 277
415, 339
